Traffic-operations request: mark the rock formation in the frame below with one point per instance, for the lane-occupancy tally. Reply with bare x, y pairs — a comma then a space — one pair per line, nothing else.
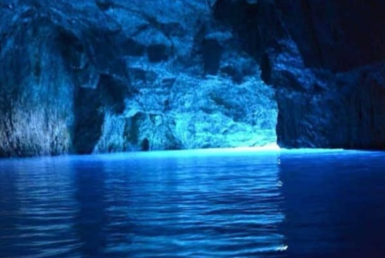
95, 76
325, 60
105, 76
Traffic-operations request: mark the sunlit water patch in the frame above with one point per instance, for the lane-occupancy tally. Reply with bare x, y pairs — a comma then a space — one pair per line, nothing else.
229, 203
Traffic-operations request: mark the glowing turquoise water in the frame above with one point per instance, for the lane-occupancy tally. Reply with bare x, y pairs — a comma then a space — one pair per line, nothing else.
194, 204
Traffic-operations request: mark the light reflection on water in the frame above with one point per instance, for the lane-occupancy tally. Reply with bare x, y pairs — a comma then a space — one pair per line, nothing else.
243, 204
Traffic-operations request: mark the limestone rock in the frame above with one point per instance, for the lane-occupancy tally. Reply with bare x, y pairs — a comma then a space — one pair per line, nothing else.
107, 75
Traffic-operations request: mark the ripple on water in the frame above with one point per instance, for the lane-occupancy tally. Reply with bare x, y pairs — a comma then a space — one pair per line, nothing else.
216, 206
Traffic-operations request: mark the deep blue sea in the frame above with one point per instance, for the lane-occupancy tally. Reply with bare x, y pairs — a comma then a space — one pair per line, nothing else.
194, 204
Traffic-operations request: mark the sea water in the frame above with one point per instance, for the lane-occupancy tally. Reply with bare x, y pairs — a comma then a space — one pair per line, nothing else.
234, 203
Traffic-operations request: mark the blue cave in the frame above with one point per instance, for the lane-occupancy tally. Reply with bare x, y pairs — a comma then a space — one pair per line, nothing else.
143, 112
103, 76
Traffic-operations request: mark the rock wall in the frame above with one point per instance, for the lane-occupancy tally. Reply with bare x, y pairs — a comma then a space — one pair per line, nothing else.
35, 98
330, 77
325, 59
337, 35
97, 76
322, 109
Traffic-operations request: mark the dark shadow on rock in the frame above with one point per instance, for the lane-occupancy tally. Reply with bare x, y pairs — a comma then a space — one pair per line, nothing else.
72, 49
212, 52
257, 25
88, 120
113, 92
266, 69
145, 145
132, 48
337, 35
132, 127
157, 53
234, 73
90, 107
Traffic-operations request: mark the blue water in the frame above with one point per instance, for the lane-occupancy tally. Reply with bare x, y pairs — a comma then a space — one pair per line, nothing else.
189, 204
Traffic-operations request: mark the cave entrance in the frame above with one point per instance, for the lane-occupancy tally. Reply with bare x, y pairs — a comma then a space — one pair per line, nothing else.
145, 145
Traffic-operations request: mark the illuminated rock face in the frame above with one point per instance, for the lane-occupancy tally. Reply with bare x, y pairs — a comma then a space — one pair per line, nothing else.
105, 76
98, 76
36, 95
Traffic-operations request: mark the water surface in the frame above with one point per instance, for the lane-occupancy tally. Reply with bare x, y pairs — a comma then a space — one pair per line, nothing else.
194, 204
